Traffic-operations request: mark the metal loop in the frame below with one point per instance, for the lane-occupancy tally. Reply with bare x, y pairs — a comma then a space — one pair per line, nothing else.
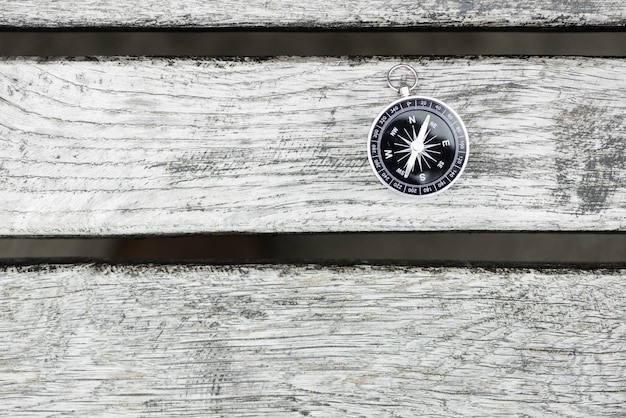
396, 67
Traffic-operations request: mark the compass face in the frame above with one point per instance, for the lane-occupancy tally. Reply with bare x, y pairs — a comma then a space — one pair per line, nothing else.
418, 146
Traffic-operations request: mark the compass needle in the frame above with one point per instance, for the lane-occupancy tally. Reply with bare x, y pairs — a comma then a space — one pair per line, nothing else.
422, 134
410, 164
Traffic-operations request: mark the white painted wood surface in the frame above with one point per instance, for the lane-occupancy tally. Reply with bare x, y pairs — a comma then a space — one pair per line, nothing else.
320, 14
151, 146
87, 340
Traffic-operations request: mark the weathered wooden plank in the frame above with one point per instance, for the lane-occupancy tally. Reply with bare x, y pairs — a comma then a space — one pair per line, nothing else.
152, 146
89, 340
321, 14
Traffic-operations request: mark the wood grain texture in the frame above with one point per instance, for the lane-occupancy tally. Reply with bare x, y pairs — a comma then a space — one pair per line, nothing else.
88, 340
321, 14
153, 146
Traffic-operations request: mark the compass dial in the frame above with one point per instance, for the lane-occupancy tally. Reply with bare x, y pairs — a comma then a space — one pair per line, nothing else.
418, 146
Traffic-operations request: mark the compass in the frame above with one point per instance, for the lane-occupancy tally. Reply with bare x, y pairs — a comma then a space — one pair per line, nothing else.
417, 145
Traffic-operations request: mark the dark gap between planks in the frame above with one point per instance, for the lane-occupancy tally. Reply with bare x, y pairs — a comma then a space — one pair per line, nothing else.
275, 43
498, 247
